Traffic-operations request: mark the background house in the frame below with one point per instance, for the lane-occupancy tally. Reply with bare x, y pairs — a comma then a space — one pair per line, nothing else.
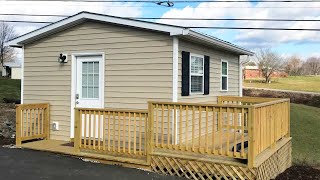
253, 72
12, 70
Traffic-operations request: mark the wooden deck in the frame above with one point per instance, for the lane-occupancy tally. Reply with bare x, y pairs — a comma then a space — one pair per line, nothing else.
63, 147
192, 140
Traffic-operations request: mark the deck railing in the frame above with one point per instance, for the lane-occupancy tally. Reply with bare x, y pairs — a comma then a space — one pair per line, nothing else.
200, 128
270, 123
32, 122
243, 100
237, 127
112, 131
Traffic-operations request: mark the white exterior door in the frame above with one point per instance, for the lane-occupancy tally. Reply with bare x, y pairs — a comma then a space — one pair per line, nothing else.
89, 82
88, 88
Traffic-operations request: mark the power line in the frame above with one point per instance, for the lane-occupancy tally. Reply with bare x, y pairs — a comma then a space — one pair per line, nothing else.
215, 27
210, 7
170, 18
184, 1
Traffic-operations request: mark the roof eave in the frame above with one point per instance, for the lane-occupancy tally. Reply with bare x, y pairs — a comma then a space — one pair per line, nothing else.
220, 43
78, 18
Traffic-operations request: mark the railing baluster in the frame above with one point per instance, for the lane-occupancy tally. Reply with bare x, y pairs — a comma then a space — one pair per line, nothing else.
114, 132
206, 135
228, 131
134, 134
129, 129
27, 122
162, 125
192, 140
99, 129
90, 142
140, 132
213, 130
85, 130
21, 120
38, 113
175, 126
109, 136
94, 130
124, 131
200, 118
235, 125
80, 129
104, 130
180, 128
242, 132
168, 121
220, 129
157, 125
119, 122
187, 127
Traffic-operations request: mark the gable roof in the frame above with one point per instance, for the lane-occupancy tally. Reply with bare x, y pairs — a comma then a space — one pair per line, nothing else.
83, 16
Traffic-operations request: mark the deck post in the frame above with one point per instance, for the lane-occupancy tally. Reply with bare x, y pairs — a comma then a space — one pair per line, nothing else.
77, 130
18, 125
219, 100
149, 132
251, 153
288, 105
47, 122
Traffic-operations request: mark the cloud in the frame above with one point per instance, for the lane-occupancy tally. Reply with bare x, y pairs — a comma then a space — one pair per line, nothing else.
61, 8
254, 38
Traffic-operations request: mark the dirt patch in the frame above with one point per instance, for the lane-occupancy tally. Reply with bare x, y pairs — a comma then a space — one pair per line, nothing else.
7, 123
7, 141
300, 173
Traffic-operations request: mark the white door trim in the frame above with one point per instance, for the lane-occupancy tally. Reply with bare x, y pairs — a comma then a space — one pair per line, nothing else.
74, 83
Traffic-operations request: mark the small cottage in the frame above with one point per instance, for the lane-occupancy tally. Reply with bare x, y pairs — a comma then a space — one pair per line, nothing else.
154, 96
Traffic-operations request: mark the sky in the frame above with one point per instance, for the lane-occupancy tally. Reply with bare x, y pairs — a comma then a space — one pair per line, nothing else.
287, 43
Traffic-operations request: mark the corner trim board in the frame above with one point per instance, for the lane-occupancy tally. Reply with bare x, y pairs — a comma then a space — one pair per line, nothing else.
22, 76
175, 68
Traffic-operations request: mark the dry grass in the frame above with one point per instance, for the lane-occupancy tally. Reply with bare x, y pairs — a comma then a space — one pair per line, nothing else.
296, 83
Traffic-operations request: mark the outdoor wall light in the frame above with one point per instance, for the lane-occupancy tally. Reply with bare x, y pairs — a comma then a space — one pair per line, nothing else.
62, 58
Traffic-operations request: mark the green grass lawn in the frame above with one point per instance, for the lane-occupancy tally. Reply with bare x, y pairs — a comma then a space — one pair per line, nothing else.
296, 83
9, 88
305, 132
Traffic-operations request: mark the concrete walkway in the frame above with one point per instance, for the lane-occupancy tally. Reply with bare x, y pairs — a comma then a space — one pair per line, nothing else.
17, 164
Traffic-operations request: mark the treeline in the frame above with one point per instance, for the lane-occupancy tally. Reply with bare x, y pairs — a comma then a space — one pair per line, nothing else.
295, 66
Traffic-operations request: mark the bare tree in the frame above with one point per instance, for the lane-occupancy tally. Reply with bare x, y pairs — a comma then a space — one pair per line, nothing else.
268, 62
313, 65
6, 33
293, 66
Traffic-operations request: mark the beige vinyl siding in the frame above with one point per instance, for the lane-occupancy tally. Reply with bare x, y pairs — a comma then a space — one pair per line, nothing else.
215, 72
138, 68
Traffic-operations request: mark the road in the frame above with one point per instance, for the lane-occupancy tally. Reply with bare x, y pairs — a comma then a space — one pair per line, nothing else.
17, 164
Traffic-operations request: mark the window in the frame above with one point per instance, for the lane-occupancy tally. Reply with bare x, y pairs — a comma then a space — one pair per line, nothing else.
196, 74
224, 75
90, 80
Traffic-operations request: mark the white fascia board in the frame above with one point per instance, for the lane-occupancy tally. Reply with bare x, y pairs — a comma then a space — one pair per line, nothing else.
219, 43
173, 30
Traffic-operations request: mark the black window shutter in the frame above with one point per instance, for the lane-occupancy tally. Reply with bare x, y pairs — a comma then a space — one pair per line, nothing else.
185, 73
206, 75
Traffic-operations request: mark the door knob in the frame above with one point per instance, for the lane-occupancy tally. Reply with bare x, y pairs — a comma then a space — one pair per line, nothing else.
77, 102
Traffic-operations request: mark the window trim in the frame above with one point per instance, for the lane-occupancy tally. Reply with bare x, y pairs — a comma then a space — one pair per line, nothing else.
227, 76
194, 74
